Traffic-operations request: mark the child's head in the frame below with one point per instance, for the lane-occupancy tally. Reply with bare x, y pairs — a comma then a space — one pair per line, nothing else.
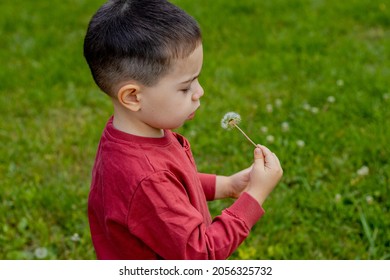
137, 40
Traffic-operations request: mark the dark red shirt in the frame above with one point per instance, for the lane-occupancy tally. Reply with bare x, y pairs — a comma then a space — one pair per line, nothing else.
148, 201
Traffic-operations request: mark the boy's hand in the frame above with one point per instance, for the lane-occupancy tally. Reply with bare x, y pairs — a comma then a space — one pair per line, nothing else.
264, 175
264, 171
239, 182
232, 186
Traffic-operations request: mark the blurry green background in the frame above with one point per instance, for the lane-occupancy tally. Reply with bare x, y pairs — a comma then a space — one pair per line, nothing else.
310, 79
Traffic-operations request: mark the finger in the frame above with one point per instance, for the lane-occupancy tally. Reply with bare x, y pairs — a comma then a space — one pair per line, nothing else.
277, 161
269, 157
266, 152
259, 156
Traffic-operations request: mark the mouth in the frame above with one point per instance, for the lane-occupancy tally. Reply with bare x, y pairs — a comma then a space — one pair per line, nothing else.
192, 115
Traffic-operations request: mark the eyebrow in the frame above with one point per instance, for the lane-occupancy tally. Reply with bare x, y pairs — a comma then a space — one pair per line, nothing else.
190, 79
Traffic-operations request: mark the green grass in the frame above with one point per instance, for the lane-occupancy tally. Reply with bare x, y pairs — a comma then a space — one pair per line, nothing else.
288, 56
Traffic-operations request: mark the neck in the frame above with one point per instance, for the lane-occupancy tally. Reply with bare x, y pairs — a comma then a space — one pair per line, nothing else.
128, 122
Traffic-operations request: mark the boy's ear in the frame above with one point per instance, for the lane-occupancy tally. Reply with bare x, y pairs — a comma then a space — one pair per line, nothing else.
128, 96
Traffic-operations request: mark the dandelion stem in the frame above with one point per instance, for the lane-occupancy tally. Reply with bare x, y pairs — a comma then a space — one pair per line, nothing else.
247, 137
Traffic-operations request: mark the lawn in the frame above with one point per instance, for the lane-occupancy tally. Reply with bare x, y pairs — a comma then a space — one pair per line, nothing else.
310, 80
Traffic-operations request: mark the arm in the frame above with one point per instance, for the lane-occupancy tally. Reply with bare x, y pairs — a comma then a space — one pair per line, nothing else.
164, 218
218, 186
232, 186
208, 182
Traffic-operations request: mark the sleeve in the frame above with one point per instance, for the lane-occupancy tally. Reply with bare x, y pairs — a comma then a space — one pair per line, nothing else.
162, 216
208, 182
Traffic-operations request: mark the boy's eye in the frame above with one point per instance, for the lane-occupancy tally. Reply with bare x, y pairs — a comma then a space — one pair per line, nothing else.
185, 90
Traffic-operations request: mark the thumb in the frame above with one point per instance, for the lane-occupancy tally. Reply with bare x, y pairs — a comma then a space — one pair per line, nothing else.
258, 155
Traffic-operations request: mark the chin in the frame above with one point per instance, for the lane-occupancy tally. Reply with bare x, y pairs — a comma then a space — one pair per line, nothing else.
176, 125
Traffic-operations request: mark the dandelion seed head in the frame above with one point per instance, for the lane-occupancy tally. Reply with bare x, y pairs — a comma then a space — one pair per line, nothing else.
230, 119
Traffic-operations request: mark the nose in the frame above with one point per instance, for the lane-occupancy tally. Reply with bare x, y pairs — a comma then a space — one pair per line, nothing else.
198, 92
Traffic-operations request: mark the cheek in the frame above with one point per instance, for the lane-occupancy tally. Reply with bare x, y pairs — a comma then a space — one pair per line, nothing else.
179, 103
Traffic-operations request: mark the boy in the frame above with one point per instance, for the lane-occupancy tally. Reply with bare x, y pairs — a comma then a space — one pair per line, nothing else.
147, 200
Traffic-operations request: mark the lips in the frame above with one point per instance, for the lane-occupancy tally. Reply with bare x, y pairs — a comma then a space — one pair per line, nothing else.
190, 117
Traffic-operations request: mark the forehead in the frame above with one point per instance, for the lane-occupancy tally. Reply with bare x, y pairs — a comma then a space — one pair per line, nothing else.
189, 65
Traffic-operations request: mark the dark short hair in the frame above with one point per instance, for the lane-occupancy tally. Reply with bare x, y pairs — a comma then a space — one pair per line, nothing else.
137, 40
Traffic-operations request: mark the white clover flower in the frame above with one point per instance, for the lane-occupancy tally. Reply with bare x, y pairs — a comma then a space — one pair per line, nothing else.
278, 102
75, 237
270, 138
340, 82
300, 143
337, 197
285, 126
192, 133
331, 99
363, 171
232, 119
314, 110
386, 96
306, 106
41, 252
269, 108
369, 199
264, 129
